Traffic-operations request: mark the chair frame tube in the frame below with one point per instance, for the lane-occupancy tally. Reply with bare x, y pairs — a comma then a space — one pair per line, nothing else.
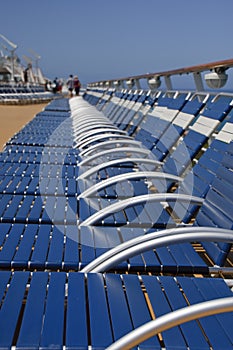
156, 197
115, 162
90, 140
93, 148
136, 150
154, 240
172, 319
128, 176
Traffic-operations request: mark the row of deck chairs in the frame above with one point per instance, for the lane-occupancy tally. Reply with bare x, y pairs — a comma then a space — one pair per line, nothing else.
116, 215
24, 94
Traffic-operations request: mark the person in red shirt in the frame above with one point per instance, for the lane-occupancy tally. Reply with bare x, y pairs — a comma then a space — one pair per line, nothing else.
77, 85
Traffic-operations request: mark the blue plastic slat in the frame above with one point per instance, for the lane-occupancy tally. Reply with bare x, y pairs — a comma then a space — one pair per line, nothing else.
173, 338
150, 260
33, 186
12, 209
120, 317
219, 218
56, 247
4, 278
84, 209
192, 107
76, 321
11, 307
23, 185
35, 211
30, 332
166, 259
212, 289
24, 209
72, 210
4, 229
72, 187
193, 334
100, 327
4, 182
40, 251
210, 324
9, 248
142, 215
100, 239
187, 258
71, 253
138, 308
222, 203
87, 245
137, 262
4, 201
25, 248
43, 185
61, 186
59, 210
13, 182
52, 185
48, 212
53, 325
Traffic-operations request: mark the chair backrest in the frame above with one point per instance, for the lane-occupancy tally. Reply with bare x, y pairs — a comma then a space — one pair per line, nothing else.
218, 207
198, 180
178, 126
159, 118
76, 311
197, 135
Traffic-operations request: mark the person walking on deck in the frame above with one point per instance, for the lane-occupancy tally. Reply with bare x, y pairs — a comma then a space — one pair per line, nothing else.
77, 85
70, 85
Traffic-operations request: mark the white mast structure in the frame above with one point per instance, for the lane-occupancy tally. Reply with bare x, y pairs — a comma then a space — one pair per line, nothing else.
31, 77
12, 51
39, 76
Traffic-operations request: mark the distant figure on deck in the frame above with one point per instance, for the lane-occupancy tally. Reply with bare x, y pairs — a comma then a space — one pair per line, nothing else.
77, 85
59, 85
25, 75
55, 85
70, 85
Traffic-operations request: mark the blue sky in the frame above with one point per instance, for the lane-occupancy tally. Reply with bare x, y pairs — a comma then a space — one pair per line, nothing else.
107, 39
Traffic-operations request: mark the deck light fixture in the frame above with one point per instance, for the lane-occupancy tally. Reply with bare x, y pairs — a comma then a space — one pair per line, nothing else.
130, 83
216, 79
154, 83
